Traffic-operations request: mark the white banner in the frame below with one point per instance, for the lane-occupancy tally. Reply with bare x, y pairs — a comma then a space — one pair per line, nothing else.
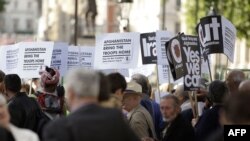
161, 38
60, 57
9, 59
145, 70
86, 55
32, 56
117, 50
73, 57
164, 74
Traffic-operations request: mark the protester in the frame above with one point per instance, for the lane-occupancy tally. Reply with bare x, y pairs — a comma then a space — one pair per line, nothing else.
17, 134
209, 121
177, 128
117, 86
21, 107
51, 99
2, 74
87, 120
245, 86
139, 118
152, 107
183, 97
234, 112
104, 92
233, 80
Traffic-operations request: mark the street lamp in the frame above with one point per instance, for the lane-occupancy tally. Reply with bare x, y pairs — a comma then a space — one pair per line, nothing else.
125, 6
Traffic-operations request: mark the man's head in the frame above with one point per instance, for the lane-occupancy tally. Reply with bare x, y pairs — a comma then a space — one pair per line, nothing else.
82, 87
245, 86
217, 91
233, 80
118, 84
236, 109
4, 113
104, 92
181, 94
144, 82
170, 107
49, 79
132, 96
12, 84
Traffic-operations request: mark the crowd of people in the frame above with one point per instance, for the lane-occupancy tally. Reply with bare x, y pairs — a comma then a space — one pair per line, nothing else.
92, 106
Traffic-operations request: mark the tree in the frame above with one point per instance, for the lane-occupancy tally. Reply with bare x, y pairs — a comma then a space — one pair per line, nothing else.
2, 3
237, 11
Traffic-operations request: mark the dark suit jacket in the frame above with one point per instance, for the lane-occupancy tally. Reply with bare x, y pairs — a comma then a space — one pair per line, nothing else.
90, 123
208, 123
179, 130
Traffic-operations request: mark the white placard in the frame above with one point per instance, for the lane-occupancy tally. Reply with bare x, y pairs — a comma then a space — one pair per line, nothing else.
60, 57
164, 74
73, 57
117, 51
9, 59
86, 57
32, 56
229, 37
161, 38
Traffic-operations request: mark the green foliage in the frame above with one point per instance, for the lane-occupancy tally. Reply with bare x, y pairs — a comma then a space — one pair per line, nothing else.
237, 11
2, 3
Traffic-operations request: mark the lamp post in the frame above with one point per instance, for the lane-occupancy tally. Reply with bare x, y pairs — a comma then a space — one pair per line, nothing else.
76, 22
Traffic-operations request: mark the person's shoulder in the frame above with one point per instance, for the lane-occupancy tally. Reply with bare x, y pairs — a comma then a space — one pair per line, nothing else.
57, 124
23, 133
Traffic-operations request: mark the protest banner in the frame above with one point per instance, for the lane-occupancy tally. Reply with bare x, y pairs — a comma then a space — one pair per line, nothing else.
174, 55
217, 35
32, 56
73, 57
191, 62
164, 74
86, 55
161, 38
117, 51
148, 48
9, 58
60, 57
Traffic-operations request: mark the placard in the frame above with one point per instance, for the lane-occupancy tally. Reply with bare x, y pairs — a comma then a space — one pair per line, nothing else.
116, 51
86, 57
73, 57
148, 48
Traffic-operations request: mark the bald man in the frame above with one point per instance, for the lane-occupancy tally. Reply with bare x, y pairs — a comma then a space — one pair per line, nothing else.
233, 80
245, 86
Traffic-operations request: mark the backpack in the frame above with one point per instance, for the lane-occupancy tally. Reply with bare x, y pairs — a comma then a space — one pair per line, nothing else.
52, 103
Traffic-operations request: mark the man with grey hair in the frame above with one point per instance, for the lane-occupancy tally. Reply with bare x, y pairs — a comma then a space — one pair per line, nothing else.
233, 80
88, 120
18, 134
183, 97
177, 128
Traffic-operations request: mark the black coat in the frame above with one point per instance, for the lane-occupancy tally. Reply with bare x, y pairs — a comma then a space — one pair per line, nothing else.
23, 111
179, 130
90, 123
208, 123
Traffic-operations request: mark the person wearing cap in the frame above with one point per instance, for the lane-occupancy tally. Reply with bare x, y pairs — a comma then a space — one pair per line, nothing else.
22, 108
138, 117
51, 98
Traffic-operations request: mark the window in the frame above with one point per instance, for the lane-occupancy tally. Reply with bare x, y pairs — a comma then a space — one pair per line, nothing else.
15, 25
29, 25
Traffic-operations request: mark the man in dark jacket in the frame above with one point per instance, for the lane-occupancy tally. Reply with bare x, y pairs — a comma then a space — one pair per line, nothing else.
177, 128
210, 120
87, 121
21, 107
